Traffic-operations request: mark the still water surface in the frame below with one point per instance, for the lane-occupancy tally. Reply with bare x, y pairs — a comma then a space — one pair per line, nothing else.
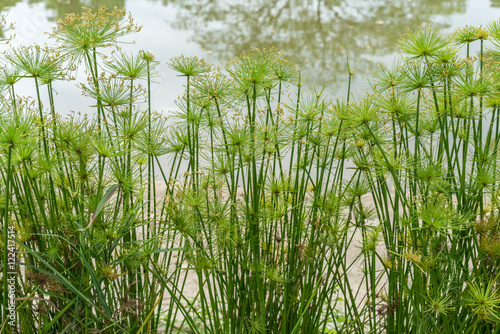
318, 35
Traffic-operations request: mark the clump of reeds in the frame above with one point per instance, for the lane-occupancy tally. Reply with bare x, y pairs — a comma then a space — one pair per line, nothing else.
265, 193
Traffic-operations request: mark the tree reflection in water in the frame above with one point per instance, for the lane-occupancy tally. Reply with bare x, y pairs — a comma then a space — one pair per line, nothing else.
59, 8
317, 35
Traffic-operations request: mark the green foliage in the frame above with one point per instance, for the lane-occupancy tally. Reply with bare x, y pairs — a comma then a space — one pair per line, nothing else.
262, 207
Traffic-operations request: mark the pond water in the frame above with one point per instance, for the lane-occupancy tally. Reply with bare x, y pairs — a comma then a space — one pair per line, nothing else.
318, 35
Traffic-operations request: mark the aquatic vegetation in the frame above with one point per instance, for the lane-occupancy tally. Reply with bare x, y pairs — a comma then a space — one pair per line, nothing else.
269, 200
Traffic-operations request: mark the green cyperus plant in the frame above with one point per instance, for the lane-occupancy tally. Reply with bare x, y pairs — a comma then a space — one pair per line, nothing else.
275, 199
265, 254
91, 251
437, 195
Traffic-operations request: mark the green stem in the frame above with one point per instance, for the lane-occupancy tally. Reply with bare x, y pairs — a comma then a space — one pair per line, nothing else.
6, 230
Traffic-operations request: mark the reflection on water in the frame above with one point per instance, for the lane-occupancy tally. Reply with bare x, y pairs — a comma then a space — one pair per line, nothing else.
318, 35
59, 8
